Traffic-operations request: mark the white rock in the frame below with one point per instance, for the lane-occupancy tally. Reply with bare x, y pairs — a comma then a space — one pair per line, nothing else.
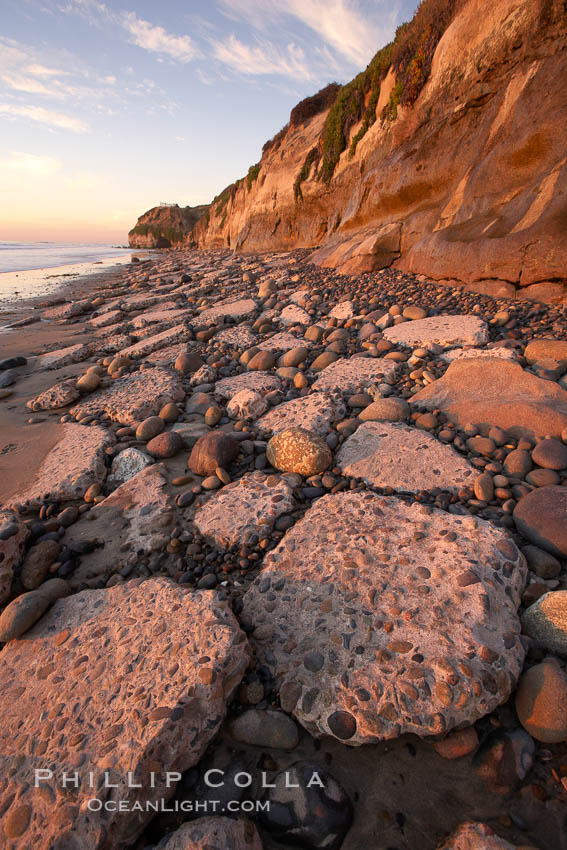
283, 342
246, 404
133, 397
127, 464
62, 357
343, 310
293, 315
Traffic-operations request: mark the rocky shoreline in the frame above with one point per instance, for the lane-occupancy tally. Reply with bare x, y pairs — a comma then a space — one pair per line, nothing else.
357, 489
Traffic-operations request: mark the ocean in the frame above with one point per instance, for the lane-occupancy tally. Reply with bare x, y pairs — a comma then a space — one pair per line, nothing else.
31, 269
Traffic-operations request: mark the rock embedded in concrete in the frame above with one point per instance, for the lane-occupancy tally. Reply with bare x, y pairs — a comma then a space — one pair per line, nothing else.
245, 510
239, 308
315, 412
499, 353
491, 392
282, 342
179, 333
259, 382
447, 331
383, 454
126, 526
372, 632
354, 374
139, 708
63, 357
71, 467
133, 397
57, 396
213, 833
294, 315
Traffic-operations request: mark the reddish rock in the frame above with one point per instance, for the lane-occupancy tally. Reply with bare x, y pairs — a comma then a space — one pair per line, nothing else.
99, 668
165, 445
211, 451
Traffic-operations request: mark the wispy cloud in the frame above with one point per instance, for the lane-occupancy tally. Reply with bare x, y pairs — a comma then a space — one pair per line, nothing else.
354, 33
157, 40
142, 33
261, 58
43, 116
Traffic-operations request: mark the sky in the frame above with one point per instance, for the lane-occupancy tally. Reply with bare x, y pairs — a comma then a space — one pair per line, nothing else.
108, 109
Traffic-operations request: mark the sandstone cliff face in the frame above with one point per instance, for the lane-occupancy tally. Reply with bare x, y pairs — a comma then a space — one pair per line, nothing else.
466, 185
164, 226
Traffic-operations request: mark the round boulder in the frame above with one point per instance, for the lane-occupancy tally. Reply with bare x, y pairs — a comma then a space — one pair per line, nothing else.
551, 454
150, 428
211, 451
165, 445
541, 516
541, 702
300, 451
546, 621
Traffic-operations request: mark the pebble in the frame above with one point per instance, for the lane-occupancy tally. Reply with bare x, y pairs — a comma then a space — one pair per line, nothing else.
165, 445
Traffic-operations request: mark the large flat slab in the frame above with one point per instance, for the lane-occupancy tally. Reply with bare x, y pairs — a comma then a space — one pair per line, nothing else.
242, 511
355, 373
240, 308
377, 618
491, 391
74, 463
179, 333
384, 454
447, 331
258, 382
132, 397
136, 679
314, 412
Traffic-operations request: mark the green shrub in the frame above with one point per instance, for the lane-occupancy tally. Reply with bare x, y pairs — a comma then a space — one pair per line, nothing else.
253, 172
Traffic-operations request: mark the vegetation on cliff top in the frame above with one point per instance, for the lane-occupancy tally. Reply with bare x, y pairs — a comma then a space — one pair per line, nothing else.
410, 56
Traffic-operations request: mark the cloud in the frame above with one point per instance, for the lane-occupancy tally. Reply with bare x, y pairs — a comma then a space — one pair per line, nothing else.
342, 24
142, 33
43, 116
261, 58
17, 162
157, 40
